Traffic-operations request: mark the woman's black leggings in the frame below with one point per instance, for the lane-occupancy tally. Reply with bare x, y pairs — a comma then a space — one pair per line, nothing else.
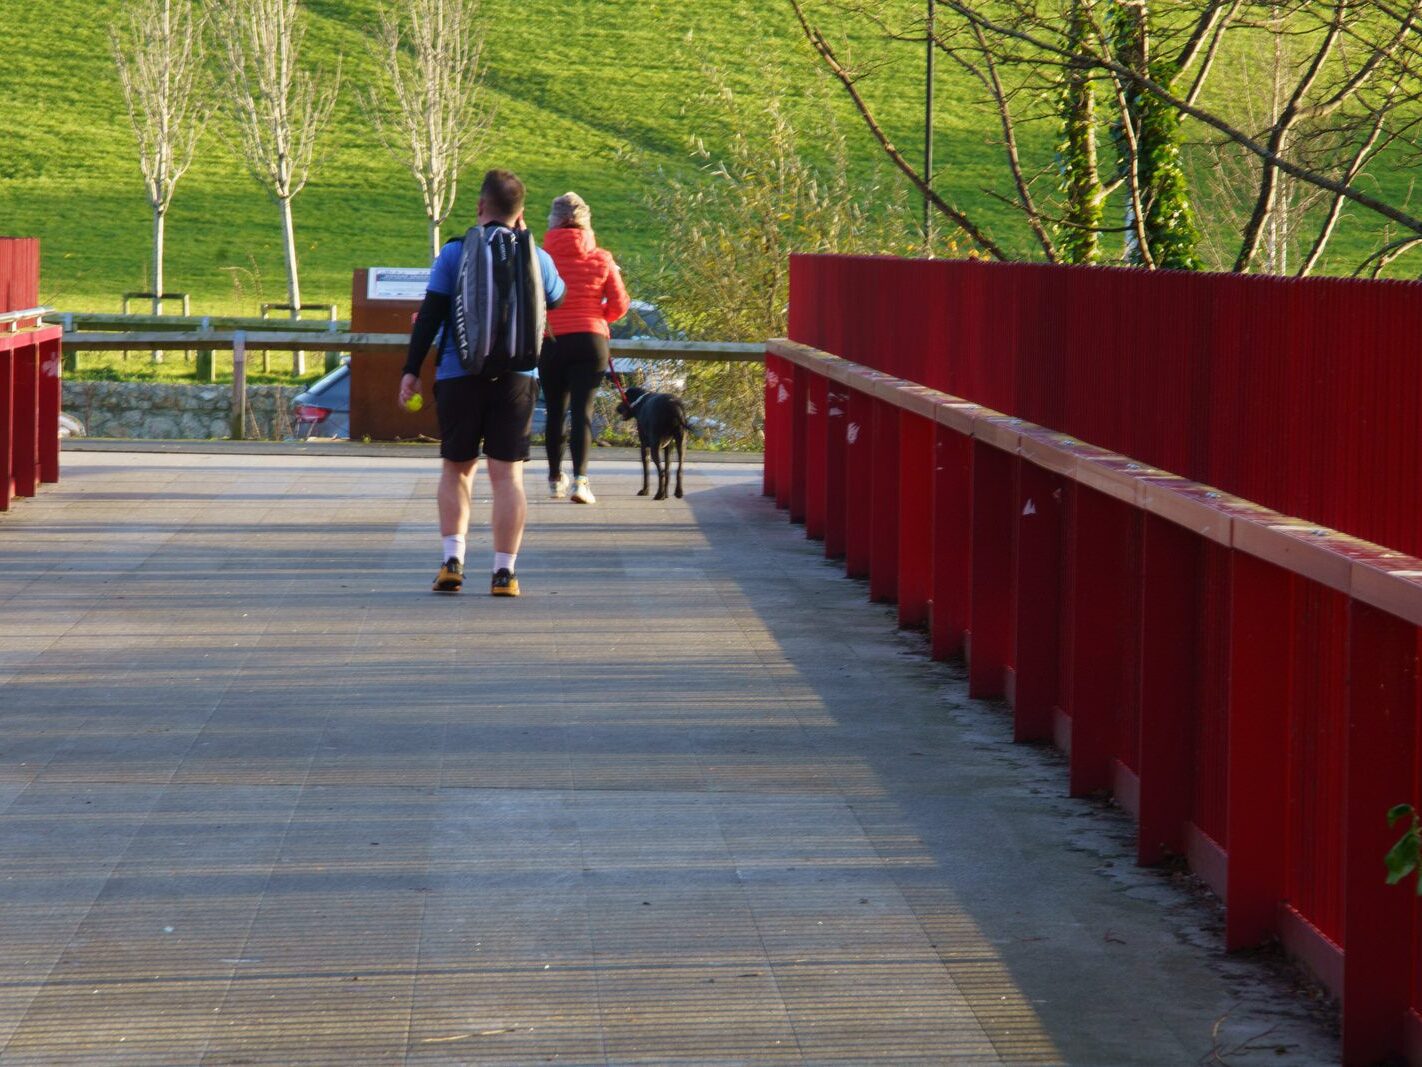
571, 368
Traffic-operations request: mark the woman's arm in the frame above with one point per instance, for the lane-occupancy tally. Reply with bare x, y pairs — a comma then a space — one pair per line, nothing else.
614, 294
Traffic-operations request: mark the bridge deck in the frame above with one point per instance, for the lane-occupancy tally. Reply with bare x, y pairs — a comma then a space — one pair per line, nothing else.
264, 799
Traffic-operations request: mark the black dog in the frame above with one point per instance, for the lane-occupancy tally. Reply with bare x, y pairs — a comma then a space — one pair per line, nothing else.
661, 423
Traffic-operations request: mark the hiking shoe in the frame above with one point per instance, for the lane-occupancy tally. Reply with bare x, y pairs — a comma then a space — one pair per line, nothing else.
582, 494
450, 578
504, 583
558, 487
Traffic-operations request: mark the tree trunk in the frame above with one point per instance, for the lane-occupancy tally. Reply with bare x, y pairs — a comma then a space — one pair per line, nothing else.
434, 240
158, 218
293, 281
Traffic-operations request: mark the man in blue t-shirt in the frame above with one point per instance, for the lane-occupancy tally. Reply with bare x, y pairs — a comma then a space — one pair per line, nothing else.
476, 412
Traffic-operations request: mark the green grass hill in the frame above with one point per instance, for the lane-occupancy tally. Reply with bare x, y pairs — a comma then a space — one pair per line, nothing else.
578, 84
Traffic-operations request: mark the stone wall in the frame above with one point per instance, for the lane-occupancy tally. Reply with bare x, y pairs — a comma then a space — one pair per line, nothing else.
175, 411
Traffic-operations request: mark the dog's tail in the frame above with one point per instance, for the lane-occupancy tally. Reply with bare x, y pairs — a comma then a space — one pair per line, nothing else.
680, 423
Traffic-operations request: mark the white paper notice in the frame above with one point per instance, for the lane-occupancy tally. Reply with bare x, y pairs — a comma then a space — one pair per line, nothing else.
396, 283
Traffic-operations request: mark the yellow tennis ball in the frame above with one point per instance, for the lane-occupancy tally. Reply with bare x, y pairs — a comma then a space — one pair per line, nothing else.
415, 403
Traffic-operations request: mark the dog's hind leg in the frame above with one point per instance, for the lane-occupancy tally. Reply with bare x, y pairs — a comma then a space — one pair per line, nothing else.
662, 465
680, 458
643, 490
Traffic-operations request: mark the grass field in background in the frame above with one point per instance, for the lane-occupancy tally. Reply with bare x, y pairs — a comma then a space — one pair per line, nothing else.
577, 85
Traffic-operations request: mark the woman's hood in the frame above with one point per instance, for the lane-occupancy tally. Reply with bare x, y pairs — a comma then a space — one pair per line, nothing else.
570, 241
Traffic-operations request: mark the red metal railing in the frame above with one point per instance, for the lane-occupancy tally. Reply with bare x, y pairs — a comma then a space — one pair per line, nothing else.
1243, 681
29, 377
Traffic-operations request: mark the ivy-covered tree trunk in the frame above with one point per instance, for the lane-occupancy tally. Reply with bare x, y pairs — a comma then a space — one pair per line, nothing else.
1169, 218
1079, 233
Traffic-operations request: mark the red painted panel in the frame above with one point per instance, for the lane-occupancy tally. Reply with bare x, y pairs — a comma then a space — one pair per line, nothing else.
836, 425
952, 540
1039, 506
915, 527
1378, 930
1316, 757
859, 483
990, 605
884, 504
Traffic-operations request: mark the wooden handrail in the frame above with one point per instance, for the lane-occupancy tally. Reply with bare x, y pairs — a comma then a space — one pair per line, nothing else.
1373, 574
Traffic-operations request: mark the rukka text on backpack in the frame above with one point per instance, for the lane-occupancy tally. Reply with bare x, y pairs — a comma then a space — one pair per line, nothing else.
499, 310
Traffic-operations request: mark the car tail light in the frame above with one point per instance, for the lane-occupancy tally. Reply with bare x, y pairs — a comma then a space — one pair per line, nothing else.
307, 413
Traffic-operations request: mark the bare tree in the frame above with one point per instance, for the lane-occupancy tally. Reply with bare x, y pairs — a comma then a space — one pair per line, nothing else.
1346, 90
430, 113
279, 109
158, 51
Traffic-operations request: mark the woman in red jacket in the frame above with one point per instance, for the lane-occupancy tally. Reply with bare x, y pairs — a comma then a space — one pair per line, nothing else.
575, 357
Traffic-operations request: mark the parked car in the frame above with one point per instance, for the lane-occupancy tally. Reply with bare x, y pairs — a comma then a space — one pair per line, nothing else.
324, 410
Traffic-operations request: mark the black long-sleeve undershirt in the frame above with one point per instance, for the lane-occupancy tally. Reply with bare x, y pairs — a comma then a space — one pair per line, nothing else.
433, 313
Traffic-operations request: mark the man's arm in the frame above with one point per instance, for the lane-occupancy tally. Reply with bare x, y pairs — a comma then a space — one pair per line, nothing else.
553, 285
433, 314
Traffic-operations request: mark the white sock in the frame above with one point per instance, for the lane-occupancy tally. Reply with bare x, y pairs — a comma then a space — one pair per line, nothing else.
504, 561
454, 547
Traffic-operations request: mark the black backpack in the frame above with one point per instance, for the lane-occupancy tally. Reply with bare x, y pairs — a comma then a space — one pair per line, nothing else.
499, 312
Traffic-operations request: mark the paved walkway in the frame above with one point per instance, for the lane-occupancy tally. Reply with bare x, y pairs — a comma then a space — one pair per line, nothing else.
264, 799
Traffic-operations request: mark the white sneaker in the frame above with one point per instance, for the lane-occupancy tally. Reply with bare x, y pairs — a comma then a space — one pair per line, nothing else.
581, 493
558, 487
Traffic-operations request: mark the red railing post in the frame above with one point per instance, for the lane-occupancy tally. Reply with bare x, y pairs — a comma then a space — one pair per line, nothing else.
1095, 643
858, 483
816, 449
26, 420
1169, 687
799, 440
51, 400
884, 505
7, 424
1260, 621
773, 429
836, 423
989, 641
915, 550
786, 426
952, 539
1036, 660
1377, 918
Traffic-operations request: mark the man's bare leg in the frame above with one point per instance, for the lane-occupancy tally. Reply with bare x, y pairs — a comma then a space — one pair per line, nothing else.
456, 486
456, 489
510, 505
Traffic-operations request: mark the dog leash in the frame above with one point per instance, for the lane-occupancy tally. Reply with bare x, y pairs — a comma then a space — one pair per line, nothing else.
616, 378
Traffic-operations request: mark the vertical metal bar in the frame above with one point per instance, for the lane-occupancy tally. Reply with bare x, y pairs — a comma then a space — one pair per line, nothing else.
51, 399
884, 505
1377, 918
7, 426
989, 642
239, 385
916, 458
1037, 563
1094, 644
25, 458
952, 540
1261, 618
858, 485
1171, 575
785, 423
799, 441
816, 445
772, 426
836, 423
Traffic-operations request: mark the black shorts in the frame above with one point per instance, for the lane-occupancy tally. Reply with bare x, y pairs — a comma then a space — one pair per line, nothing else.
495, 415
